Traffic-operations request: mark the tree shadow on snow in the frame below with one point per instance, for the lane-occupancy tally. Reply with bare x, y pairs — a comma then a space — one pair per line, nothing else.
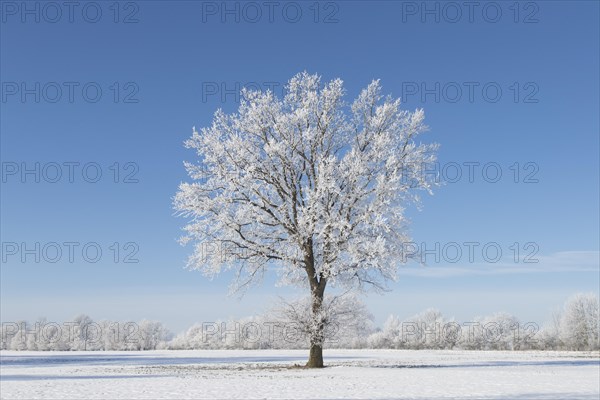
134, 359
67, 377
571, 363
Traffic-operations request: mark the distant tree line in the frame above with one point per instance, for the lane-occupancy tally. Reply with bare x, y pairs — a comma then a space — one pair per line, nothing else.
348, 325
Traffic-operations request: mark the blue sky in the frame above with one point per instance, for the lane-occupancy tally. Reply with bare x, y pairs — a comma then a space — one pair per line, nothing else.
167, 70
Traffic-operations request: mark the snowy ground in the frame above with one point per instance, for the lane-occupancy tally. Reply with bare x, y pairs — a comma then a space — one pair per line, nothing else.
362, 374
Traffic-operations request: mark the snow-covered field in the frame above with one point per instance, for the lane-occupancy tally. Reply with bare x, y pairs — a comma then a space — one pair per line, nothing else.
372, 374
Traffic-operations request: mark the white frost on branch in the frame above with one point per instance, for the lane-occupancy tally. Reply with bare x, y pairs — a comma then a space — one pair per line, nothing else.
344, 318
305, 180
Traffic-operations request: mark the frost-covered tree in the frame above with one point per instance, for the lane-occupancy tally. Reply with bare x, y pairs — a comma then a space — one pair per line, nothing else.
314, 185
152, 335
342, 317
579, 323
500, 331
390, 337
426, 330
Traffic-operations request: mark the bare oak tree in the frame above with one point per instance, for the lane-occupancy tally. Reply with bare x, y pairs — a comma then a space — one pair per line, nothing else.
309, 184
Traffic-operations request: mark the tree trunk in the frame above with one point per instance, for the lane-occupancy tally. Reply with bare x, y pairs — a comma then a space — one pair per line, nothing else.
315, 357
317, 289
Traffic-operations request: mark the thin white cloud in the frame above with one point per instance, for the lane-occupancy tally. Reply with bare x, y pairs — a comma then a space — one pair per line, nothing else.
565, 261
